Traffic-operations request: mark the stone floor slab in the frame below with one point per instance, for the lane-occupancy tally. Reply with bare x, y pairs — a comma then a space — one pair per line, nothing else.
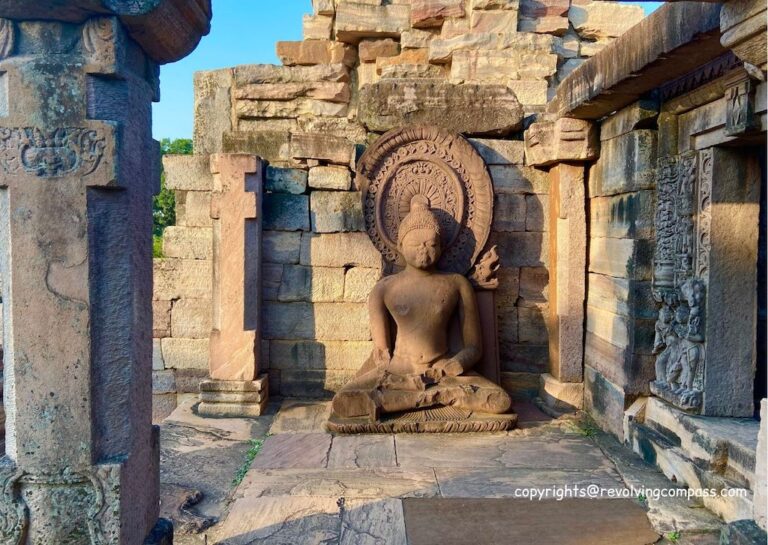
366, 522
303, 416
350, 483
355, 451
294, 450
507, 483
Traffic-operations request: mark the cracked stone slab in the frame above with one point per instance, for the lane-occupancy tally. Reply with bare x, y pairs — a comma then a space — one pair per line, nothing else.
366, 522
355, 451
294, 450
503, 482
499, 450
233, 429
301, 417
350, 483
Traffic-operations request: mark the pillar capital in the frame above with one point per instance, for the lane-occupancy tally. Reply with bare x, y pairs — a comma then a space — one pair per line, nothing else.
565, 139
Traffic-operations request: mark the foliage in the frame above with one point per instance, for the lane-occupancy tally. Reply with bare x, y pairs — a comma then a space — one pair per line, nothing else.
674, 537
164, 203
253, 451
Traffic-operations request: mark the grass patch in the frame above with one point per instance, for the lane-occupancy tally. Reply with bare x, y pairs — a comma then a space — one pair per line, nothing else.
157, 246
673, 537
253, 451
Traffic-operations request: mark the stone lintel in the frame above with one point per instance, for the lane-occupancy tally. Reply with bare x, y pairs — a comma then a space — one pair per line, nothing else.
743, 28
672, 41
564, 140
167, 30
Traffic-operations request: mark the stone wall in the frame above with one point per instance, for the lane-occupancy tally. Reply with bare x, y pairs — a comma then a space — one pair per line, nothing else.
362, 69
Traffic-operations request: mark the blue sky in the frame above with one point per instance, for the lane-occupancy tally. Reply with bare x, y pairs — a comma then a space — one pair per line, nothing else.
242, 32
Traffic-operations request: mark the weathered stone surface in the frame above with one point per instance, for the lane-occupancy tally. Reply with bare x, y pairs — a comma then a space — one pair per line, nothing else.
536, 213
547, 24
408, 70
638, 115
761, 469
509, 212
533, 287
336, 211
431, 13
256, 74
627, 163
317, 27
185, 353
622, 296
187, 242
339, 178
532, 328
544, 8
294, 451
479, 109
322, 147
314, 384
281, 247
233, 398
494, 21
191, 318
312, 52
339, 250
161, 318
181, 278
600, 20
407, 57
416, 38
318, 284
297, 416
269, 145
212, 99
561, 395
193, 208
500, 152
605, 402
522, 249
358, 283
501, 66
332, 355
162, 406
247, 109
362, 451
285, 180
370, 50
157, 356
355, 21
284, 212
324, 321
454, 27
629, 215
566, 139
324, 7
163, 382
442, 50
187, 173
518, 179
621, 257
742, 25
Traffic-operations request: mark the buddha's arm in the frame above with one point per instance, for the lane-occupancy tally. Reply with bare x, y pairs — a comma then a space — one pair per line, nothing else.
379, 317
470, 326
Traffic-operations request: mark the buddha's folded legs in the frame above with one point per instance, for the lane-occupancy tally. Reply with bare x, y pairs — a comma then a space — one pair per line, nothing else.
473, 393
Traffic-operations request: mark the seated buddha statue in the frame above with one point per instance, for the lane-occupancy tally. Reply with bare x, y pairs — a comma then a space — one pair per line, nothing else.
412, 366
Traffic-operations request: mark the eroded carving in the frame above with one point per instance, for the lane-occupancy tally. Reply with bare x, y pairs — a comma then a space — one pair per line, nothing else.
51, 153
681, 263
485, 271
445, 169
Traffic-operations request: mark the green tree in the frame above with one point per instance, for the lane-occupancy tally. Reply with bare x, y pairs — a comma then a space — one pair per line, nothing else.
164, 203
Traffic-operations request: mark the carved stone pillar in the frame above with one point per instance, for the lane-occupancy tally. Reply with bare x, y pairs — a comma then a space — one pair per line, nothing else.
78, 168
565, 146
235, 388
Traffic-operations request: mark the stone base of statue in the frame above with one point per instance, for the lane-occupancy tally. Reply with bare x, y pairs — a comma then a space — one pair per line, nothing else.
686, 399
233, 398
433, 420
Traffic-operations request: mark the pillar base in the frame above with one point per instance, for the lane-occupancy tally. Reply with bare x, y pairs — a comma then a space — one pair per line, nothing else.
561, 396
233, 398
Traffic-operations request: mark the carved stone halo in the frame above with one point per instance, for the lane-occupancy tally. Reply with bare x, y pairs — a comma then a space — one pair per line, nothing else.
443, 167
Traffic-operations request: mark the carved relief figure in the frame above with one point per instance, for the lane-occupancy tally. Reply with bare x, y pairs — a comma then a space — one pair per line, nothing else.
412, 366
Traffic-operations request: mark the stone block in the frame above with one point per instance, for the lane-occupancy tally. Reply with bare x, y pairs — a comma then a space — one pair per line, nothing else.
334, 355
157, 356
416, 38
476, 108
322, 147
317, 27
324, 7
162, 406
547, 24
520, 385
621, 331
629, 215
407, 57
358, 283
536, 212
213, 104
518, 179
621, 366
454, 27
500, 152
509, 287
601, 20
316, 284
532, 328
499, 21
533, 94
258, 109
629, 298
324, 321
509, 212
638, 115
621, 257
502, 66
370, 50
567, 67
272, 146
312, 384
507, 319
188, 380
285, 180
336, 211
285, 212
281, 247
191, 318
627, 163
271, 279
193, 208
187, 172
544, 8
188, 242
521, 249
605, 402
534, 284
495, 4
441, 50
182, 278
254, 74
367, 74
568, 45
163, 382
185, 353
339, 250
339, 178
349, 129
524, 358
432, 13
312, 52
355, 21
590, 49
561, 396
161, 318
405, 70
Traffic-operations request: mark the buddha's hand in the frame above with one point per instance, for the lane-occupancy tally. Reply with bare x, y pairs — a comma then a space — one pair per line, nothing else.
449, 367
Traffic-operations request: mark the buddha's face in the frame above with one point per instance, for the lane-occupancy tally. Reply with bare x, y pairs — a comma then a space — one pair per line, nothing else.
421, 248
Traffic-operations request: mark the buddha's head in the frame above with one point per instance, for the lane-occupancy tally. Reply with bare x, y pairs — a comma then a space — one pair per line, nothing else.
418, 237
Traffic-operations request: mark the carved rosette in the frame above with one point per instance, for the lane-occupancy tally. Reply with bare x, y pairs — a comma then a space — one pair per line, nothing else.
443, 167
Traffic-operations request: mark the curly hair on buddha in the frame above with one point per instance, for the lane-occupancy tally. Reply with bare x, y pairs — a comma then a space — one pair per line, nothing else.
420, 216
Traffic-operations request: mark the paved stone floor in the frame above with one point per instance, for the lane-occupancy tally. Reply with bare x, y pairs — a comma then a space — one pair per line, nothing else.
282, 479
